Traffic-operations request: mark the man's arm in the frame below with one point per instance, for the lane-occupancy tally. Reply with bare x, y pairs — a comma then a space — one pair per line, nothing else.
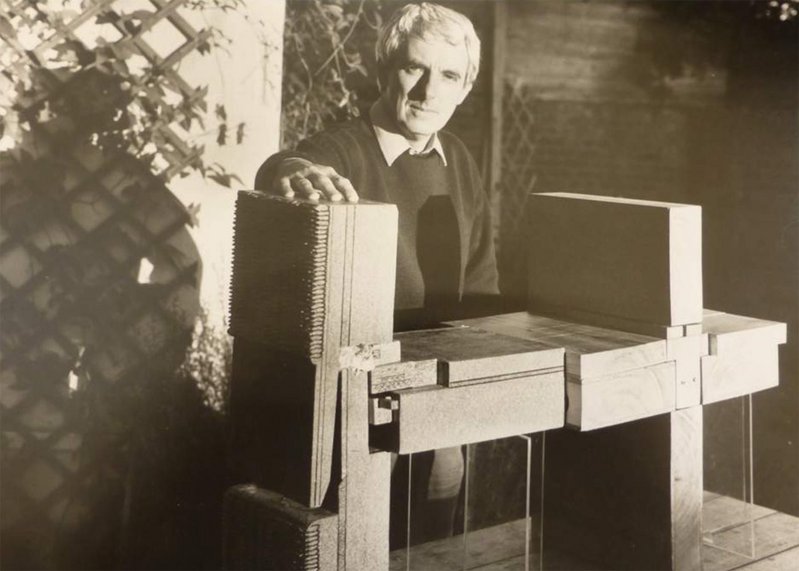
309, 172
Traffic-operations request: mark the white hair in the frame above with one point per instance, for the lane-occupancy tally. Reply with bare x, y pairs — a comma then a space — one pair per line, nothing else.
424, 21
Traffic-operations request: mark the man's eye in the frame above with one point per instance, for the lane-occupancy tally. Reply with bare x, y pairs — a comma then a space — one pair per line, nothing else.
452, 76
413, 68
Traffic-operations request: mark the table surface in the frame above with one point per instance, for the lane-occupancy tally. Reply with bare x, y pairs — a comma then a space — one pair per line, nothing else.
500, 548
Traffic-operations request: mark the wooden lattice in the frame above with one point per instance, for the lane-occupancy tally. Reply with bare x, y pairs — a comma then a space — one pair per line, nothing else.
177, 152
516, 183
84, 329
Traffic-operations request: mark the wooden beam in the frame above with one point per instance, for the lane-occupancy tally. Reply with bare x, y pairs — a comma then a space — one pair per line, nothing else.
686, 488
744, 355
627, 496
309, 280
363, 493
635, 261
621, 397
438, 417
590, 351
468, 355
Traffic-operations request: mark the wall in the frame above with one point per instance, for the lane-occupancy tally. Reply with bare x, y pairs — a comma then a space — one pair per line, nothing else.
245, 78
608, 118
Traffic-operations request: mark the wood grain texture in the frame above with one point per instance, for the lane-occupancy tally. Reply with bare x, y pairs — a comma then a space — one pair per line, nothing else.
590, 351
731, 328
438, 417
611, 321
607, 495
488, 548
496, 548
620, 398
744, 356
783, 561
627, 496
686, 488
467, 354
632, 259
774, 533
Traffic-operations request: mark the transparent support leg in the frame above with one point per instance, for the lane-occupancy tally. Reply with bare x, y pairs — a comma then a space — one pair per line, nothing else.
728, 512
504, 504
492, 518
427, 521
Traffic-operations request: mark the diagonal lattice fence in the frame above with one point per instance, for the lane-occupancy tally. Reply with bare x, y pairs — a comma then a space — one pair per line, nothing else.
99, 277
517, 182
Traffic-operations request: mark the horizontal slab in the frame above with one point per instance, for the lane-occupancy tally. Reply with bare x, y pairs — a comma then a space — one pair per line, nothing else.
635, 260
621, 398
611, 321
467, 354
731, 375
728, 331
744, 355
590, 352
438, 417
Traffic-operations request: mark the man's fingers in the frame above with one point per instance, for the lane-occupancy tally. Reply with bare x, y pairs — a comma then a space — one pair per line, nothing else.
345, 187
323, 183
317, 181
304, 188
285, 188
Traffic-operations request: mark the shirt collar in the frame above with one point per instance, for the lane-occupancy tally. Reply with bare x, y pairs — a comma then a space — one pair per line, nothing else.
392, 145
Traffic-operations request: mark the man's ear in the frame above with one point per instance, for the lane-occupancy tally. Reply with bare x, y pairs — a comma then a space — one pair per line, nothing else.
466, 90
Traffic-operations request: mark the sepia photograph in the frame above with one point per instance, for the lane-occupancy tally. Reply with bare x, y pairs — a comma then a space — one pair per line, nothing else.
362, 285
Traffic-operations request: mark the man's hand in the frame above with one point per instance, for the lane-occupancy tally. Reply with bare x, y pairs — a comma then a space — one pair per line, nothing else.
309, 180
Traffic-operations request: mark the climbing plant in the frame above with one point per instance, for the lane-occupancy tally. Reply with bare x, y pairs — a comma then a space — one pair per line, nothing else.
86, 66
328, 62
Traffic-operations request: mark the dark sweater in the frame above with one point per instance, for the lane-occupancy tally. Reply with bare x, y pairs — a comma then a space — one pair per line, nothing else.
445, 250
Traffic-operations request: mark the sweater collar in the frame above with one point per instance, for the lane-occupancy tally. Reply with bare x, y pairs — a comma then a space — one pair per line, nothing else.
392, 145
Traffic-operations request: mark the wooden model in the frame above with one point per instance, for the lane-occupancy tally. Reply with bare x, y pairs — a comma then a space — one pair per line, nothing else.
624, 356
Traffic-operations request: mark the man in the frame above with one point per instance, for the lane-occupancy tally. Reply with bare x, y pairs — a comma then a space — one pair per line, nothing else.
428, 57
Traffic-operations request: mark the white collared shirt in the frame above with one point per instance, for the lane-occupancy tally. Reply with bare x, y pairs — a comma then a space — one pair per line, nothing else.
392, 145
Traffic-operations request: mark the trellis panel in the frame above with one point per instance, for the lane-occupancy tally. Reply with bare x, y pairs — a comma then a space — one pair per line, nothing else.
82, 331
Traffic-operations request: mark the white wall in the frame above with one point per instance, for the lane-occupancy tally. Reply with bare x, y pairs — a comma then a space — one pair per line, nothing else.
247, 81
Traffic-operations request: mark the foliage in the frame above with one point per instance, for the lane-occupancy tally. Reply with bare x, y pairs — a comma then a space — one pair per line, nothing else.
90, 132
716, 21
328, 54
704, 37
208, 362
100, 84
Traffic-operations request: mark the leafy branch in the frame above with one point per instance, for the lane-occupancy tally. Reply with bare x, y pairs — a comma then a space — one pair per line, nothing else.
328, 54
105, 87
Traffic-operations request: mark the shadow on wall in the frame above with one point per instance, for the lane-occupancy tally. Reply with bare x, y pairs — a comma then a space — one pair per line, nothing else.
101, 439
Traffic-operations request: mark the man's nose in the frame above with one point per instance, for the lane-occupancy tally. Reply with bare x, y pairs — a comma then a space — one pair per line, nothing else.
426, 88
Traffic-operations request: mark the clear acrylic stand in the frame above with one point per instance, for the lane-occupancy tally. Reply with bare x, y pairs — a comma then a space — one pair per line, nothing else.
497, 517
728, 510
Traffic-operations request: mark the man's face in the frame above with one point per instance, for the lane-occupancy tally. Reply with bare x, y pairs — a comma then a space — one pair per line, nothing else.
424, 86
